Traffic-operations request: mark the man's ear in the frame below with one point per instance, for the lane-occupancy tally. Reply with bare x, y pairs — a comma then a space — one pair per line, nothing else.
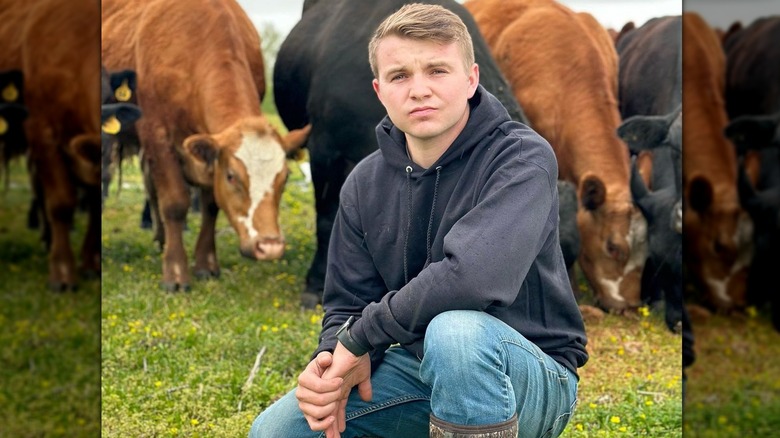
198, 155
473, 79
375, 84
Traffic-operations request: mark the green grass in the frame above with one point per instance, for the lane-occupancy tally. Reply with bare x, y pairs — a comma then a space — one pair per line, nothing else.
49, 342
734, 384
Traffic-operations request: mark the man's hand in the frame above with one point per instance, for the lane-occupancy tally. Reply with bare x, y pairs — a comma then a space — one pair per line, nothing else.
319, 396
354, 371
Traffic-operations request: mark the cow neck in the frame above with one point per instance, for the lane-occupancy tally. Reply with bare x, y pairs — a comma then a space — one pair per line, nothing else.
226, 102
604, 154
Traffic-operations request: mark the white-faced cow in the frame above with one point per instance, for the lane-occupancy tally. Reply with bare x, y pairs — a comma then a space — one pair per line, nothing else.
562, 67
323, 77
200, 82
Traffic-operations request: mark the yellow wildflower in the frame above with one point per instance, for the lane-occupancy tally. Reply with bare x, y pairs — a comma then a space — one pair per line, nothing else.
614, 419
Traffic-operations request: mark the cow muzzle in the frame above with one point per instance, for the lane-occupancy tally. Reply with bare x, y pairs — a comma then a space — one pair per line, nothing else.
266, 248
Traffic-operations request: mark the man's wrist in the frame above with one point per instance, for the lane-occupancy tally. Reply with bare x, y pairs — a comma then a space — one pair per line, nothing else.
351, 344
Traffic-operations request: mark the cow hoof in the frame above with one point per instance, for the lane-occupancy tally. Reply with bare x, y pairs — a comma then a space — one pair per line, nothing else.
310, 300
172, 287
205, 274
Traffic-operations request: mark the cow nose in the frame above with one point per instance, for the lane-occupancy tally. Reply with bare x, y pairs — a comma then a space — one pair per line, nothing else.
269, 248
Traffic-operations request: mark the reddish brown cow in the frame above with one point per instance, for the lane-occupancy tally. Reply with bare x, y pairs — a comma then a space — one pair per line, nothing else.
53, 42
715, 228
200, 82
563, 69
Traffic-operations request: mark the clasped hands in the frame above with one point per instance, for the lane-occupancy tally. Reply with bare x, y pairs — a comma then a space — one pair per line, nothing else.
325, 384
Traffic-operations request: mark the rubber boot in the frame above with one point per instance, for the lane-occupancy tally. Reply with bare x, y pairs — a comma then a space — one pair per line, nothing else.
442, 429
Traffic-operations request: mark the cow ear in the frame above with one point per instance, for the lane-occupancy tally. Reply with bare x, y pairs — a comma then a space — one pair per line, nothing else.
593, 193
700, 194
295, 140
123, 85
747, 193
84, 152
638, 189
11, 86
751, 132
643, 132
198, 154
118, 116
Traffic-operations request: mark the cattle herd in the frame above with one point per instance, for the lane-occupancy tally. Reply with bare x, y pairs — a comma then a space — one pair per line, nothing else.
644, 218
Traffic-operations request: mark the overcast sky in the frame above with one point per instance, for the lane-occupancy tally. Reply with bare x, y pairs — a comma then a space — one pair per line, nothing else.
611, 13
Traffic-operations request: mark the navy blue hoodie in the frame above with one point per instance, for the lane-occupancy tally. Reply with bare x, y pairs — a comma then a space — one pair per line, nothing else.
478, 230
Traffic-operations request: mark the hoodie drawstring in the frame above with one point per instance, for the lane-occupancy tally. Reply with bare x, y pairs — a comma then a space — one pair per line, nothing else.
409, 219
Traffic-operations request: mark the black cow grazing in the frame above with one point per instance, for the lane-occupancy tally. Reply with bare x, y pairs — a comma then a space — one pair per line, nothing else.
116, 119
322, 77
753, 105
118, 92
661, 207
650, 90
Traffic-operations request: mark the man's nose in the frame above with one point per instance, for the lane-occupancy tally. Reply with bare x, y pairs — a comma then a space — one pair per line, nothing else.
419, 87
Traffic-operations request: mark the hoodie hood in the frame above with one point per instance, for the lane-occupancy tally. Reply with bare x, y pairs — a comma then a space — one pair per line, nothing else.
485, 114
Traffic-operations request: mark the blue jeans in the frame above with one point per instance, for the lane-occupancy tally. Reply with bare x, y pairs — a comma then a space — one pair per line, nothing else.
476, 370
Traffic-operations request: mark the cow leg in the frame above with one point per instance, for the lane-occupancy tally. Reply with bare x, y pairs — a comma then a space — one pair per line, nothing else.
151, 213
170, 191
206, 265
90, 249
328, 176
59, 205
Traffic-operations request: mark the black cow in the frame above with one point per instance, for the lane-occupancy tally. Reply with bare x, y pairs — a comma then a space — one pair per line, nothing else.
13, 112
568, 233
650, 90
117, 91
116, 120
753, 105
322, 77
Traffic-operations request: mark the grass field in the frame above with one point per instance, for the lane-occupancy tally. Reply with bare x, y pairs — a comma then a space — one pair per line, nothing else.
180, 364
49, 342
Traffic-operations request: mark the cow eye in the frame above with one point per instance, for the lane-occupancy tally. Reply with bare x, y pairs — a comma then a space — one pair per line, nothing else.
231, 177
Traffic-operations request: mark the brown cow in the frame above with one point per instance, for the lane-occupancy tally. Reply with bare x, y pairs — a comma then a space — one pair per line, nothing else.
54, 44
715, 228
200, 82
563, 69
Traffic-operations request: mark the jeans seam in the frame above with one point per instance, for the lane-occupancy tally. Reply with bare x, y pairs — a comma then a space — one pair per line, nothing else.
386, 404
507, 381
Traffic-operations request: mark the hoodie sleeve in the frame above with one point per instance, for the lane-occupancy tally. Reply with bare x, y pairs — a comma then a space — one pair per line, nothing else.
487, 253
352, 281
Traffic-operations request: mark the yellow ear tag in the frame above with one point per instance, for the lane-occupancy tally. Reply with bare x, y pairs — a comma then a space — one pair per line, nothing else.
10, 93
112, 125
3, 126
123, 93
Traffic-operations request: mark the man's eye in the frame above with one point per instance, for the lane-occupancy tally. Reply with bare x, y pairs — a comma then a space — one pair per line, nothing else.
398, 77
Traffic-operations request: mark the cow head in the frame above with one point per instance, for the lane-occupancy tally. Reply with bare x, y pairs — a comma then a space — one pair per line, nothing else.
613, 235
246, 167
717, 235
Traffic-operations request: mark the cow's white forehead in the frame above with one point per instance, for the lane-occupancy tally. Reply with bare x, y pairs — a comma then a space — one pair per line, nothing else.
263, 158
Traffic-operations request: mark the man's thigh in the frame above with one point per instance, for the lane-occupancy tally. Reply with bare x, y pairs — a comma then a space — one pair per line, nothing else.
400, 406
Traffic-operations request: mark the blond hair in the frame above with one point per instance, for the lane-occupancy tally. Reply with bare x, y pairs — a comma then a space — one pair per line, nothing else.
423, 22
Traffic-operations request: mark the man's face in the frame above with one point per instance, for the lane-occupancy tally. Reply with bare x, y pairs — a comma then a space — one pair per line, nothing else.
424, 87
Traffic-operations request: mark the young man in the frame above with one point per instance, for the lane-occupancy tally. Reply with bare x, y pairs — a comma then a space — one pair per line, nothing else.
447, 301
